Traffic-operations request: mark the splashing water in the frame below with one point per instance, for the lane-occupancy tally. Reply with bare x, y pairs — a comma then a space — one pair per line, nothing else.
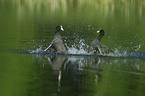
118, 53
79, 48
121, 52
37, 50
138, 47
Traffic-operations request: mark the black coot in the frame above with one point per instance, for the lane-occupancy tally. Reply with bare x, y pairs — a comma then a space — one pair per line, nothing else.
97, 47
57, 44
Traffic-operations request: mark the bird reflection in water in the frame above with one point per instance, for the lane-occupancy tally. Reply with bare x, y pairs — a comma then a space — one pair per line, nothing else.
83, 73
75, 71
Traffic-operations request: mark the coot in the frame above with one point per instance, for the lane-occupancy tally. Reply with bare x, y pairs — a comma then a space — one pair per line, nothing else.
97, 47
57, 44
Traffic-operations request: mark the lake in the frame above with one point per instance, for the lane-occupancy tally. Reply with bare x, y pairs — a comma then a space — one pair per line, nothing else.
29, 25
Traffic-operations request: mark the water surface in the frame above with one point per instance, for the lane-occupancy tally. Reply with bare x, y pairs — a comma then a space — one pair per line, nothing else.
30, 25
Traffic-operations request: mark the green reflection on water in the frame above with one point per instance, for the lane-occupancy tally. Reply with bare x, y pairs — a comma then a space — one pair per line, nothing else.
30, 24
35, 75
122, 20
23, 74
14, 74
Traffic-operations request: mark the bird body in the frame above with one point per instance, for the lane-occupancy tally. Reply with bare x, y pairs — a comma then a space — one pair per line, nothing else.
96, 47
57, 43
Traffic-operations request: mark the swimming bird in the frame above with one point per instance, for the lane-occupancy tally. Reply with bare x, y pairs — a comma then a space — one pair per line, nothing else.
97, 47
57, 43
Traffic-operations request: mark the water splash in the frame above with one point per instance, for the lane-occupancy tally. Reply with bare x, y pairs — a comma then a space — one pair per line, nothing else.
78, 48
138, 47
38, 50
121, 52
118, 53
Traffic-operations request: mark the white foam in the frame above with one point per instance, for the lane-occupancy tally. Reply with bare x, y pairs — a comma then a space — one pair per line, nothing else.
78, 48
82, 51
37, 50
72, 50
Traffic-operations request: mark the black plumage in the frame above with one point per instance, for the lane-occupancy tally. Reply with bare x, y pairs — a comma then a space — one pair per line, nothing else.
57, 44
97, 47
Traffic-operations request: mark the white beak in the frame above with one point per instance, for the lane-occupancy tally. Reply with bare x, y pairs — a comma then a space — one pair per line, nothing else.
98, 31
62, 28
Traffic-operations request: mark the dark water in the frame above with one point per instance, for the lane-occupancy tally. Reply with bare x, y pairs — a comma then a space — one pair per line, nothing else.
30, 25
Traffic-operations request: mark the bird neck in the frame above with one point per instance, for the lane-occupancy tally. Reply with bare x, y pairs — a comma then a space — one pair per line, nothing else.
57, 35
100, 36
57, 32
